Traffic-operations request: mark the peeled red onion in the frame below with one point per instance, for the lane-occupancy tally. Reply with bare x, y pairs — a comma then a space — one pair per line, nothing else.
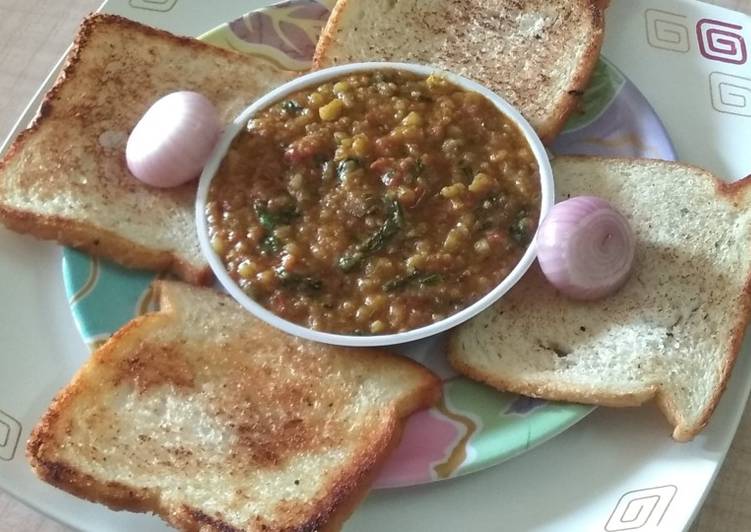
173, 140
585, 248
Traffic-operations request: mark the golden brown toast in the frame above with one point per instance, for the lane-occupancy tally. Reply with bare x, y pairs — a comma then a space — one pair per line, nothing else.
214, 420
537, 54
671, 333
65, 177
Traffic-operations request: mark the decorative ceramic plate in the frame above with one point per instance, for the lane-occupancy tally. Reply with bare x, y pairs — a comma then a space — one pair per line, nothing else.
643, 481
474, 427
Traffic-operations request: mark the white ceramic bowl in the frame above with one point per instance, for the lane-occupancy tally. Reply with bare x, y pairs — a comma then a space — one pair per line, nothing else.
317, 78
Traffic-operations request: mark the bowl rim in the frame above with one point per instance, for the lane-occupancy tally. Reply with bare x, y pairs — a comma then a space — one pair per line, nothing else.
315, 78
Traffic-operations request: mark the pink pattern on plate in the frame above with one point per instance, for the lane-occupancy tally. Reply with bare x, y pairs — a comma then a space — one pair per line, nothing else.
428, 438
304, 47
278, 29
312, 11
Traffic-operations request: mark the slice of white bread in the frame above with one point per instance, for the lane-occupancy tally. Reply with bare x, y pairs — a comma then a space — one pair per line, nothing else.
65, 177
216, 421
538, 54
672, 333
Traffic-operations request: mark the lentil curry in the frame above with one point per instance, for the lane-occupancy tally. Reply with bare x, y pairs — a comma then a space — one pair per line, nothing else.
376, 203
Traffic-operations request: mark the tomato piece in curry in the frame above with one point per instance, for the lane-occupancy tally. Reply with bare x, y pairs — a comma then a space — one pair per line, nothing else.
376, 203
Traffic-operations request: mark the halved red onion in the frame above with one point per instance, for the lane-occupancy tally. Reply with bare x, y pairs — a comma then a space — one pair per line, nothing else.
585, 248
173, 140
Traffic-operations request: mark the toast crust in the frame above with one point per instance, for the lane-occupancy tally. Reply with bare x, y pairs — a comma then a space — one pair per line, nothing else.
735, 191
84, 235
81, 235
568, 99
326, 38
102, 243
329, 516
738, 192
328, 513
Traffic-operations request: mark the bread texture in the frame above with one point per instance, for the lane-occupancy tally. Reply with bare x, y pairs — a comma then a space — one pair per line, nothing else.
537, 54
65, 177
215, 421
671, 333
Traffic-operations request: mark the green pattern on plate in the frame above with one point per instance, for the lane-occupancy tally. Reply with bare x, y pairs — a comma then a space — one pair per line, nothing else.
103, 296
603, 87
507, 423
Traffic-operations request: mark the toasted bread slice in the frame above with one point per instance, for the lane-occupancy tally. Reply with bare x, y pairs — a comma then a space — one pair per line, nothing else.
65, 177
537, 54
216, 421
672, 333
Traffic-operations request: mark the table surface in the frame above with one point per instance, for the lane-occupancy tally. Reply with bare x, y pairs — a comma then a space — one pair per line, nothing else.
33, 36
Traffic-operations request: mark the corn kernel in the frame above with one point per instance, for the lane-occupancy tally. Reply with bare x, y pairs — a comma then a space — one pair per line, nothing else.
467, 220
331, 111
363, 314
453, 191
482, 184
341, 86
316, 99
416, 262
360, 146
455, 238
247, 269
412, 119
412, 133
435, 80
218, 244
375, 302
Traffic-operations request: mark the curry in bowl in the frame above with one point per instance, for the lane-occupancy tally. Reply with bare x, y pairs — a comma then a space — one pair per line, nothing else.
375, 203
